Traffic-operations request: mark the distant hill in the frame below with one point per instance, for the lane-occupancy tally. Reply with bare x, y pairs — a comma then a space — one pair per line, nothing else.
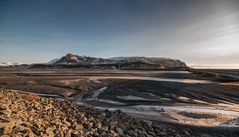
10, 64
140, 63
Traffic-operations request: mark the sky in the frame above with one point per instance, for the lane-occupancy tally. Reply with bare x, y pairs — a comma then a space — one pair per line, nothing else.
202, 33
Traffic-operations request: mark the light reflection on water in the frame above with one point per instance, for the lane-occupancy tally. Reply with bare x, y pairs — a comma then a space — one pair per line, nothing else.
152, 79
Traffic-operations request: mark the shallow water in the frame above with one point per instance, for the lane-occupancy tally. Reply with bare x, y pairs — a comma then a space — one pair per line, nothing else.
193, 81
39, 94
157, 112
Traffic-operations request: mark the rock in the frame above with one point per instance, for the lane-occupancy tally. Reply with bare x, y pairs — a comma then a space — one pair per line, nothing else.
67, 123
148, 135
1, 131
186, 132
171, 130
75, 135
30, 118
90, 124
49, 132
84, 120
163, 133
26, 124
157, 131
3, 107
120, 131
147, 123
113, 124
114, 133
151, 133
132, 133
4, 120
36, 130
162, 110
1, 112
78, 127
96, 134
206, 135
98, 125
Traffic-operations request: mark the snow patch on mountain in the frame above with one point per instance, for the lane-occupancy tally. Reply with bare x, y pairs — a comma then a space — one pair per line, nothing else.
53, 61
119, 58
10, 63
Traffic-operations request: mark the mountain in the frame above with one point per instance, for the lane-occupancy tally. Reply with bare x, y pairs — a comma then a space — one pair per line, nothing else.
71, 59
52, 61
10, 64
144, 63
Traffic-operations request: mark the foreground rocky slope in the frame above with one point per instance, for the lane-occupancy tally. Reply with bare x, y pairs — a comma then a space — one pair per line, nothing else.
26, 114
71, 60
31, 115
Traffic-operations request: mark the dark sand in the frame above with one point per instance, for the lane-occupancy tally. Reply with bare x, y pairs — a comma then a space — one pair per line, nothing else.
196, 104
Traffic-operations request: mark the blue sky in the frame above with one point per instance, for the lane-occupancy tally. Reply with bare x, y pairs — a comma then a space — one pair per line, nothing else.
198, 32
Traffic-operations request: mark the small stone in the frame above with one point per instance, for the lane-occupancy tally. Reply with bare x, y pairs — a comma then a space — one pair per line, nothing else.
49, 132
205, 135
67, 123
4, 120
98, 125
186, 132
148, 135
78, 127
171, 130
147, 123
3, 107
74, 135
152, 133
120, 131
1, 131
163, 133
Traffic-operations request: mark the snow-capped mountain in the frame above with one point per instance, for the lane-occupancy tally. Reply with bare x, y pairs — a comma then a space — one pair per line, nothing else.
71, 60
148, 60
10, 64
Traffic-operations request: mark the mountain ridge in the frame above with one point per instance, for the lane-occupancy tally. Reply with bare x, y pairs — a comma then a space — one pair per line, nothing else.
135, 62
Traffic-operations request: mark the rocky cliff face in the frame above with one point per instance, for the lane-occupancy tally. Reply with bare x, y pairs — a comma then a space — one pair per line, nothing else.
71, 59
141, 63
